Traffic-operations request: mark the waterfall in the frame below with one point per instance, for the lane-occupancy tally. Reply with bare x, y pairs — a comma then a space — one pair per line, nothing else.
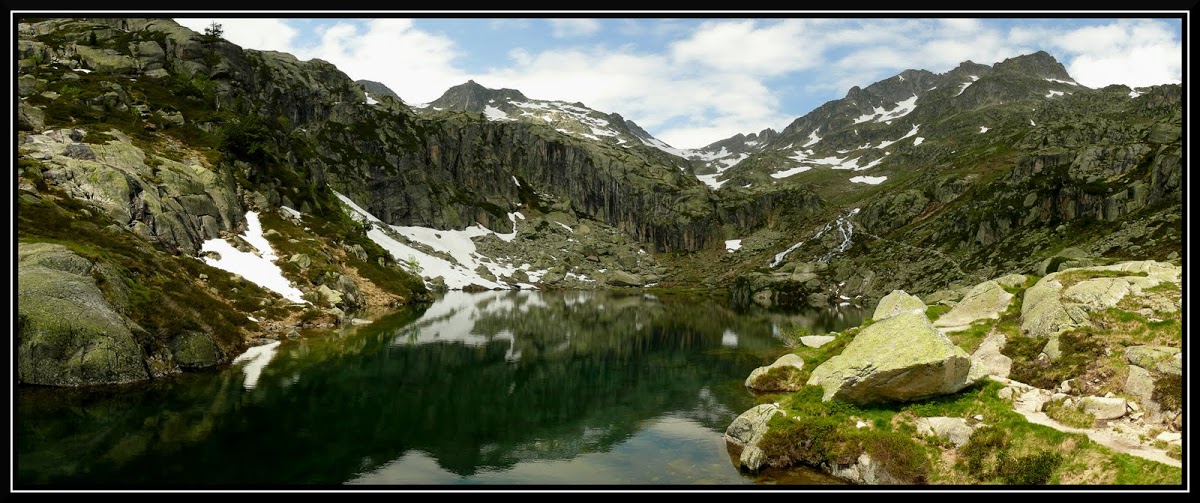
842, 224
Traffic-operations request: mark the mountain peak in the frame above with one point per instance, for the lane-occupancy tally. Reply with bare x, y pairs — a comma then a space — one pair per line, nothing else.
474, 97
1039, 64
378, 89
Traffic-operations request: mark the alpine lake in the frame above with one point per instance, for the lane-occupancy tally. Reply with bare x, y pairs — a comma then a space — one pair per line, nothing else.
501, 388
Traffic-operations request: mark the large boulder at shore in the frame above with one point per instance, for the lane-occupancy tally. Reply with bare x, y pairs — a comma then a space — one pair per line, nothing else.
899, 359
744, 434
67, 333
787, 377
895, 303
985, 301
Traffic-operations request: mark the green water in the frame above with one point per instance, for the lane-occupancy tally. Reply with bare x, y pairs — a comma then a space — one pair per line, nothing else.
494, 389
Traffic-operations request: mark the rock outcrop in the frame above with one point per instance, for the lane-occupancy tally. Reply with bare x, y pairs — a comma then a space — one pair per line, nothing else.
68, 334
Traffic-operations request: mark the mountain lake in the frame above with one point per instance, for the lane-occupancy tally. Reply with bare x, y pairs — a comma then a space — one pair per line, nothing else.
499, 388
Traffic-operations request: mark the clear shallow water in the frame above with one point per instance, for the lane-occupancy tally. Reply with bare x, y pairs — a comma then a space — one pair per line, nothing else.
493, 389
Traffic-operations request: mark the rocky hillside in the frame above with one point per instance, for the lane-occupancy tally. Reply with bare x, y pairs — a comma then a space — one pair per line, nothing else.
1020, 380
945, 180
218, 194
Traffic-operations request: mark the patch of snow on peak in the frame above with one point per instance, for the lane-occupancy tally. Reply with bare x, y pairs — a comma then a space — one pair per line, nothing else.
1063, 82
870, 180
1053, 93
1031, 123
1134, 94
494, 114
902, 108
965, 85
658, 144
983, 129
370, 100
812, 139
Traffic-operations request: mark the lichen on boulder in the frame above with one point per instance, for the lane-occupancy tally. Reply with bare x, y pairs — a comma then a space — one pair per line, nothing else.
902, 358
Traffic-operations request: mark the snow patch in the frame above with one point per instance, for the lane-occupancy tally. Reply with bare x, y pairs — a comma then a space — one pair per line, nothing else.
732, 245
965, 85
1134, 94
918, 140
1063, 82
901, 109
870, 180
983, 129
458, 272
812, 139
258, 268
494, 114
370, 100
789, 172
1053, 93
289, 211
711, 180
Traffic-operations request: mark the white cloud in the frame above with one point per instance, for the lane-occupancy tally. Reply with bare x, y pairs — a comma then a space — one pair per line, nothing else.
564, 28
679, 103
749, 46
692, 83
417, 65
1131, 52
255, 33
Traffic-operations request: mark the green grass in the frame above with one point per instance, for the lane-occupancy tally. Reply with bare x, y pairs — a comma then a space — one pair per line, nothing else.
936, 311
1068, 415
1004, 450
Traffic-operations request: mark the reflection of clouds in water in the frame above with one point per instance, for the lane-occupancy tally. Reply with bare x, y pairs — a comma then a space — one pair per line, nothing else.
667, 450
258, 358
729, 339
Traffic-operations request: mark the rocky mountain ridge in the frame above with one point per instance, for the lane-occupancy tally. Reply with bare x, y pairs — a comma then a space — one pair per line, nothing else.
166, 139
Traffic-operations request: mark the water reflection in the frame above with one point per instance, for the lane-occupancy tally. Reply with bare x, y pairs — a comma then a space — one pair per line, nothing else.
490, 388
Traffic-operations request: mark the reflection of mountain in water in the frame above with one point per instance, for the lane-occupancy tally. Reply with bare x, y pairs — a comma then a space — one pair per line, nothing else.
477, 382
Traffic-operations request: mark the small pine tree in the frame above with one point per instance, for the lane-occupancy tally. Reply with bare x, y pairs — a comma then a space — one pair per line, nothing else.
214, 30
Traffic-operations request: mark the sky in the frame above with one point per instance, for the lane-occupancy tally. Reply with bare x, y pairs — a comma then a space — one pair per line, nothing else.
691, 80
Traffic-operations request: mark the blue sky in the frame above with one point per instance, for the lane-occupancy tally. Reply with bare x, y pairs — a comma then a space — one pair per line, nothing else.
691, 81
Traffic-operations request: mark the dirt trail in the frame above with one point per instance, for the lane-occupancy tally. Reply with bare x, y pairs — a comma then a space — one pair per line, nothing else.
1029, 403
